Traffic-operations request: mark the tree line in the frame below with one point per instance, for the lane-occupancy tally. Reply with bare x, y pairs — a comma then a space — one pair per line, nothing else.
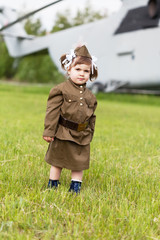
39, 67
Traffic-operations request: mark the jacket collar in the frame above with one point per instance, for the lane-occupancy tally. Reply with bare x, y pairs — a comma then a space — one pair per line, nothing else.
77, 85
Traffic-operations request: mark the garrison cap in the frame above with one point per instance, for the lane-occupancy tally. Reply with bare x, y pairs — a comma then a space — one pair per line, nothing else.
82, 51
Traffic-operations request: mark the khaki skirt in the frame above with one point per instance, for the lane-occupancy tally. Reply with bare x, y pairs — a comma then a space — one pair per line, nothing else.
68, 154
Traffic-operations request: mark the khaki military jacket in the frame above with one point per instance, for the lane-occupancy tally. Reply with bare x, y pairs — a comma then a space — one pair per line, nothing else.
75, 103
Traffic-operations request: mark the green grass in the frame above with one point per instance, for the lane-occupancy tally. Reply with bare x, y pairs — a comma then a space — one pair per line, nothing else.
120, 196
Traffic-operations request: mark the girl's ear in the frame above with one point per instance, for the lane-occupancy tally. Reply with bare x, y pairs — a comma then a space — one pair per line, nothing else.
68, 71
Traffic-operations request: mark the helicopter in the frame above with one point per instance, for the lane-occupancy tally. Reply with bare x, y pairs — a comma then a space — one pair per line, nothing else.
126, 44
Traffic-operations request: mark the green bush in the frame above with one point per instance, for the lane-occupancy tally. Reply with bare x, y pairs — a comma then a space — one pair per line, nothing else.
39, 68
6, 62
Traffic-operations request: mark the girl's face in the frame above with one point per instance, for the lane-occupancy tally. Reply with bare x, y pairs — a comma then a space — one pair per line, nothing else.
80, 73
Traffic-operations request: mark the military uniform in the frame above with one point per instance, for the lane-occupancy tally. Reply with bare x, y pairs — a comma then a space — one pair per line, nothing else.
70, 148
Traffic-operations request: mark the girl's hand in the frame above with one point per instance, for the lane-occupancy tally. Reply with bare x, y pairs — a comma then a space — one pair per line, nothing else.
48, 139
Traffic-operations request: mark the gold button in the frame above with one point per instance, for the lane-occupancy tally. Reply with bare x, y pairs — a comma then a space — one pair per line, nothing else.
81, 104
81, 92
81, 86
81, 98
70, 100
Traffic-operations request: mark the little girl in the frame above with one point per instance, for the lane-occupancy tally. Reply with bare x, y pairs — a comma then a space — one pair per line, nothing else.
70, 119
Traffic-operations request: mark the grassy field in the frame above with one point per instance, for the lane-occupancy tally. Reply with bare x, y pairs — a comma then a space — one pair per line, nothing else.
120, 196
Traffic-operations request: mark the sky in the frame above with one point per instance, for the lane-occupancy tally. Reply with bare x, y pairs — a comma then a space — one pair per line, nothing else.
47, 15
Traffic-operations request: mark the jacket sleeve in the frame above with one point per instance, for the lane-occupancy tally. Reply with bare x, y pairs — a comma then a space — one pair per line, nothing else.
54, 103
92, 119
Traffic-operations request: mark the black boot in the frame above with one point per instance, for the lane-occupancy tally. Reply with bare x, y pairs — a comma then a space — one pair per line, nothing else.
53, 184
75, 186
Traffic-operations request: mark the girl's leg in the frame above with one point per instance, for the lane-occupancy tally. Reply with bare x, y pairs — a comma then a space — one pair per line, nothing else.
77, 175
54, 177
76, 182
55, 173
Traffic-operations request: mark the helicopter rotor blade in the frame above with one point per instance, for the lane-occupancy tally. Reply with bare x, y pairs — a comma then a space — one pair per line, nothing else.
28, 37
28, 15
